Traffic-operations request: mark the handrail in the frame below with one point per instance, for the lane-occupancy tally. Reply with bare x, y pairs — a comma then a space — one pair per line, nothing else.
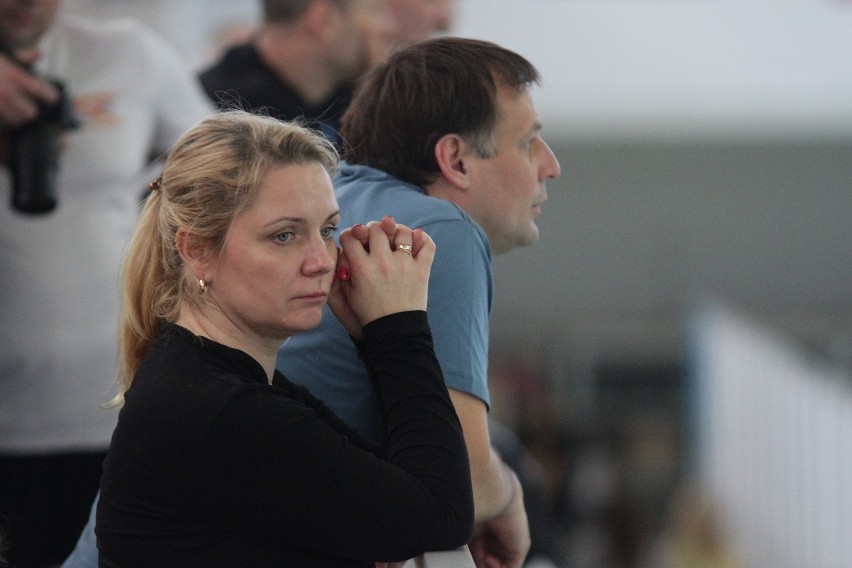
458, 558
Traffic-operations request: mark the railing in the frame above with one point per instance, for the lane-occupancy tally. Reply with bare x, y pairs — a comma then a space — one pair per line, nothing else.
775, 436
459, 558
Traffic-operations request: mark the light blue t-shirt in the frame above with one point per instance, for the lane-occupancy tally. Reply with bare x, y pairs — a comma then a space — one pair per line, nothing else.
460, 296
85, 553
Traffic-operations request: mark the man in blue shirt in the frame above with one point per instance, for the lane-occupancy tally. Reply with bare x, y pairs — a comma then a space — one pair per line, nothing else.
444, 136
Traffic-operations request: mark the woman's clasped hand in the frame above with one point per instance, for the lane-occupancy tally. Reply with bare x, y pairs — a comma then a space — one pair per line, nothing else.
383, 268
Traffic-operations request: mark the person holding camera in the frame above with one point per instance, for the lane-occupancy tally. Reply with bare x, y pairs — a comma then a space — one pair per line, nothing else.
84, 106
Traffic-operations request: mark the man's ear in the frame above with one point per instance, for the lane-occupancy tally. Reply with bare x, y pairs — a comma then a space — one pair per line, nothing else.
193, 252
451, 153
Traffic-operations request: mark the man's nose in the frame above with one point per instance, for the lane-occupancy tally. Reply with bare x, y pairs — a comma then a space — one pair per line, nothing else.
550, 167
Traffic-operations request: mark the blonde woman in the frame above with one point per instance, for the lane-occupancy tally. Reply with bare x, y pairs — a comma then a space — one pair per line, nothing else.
218, 459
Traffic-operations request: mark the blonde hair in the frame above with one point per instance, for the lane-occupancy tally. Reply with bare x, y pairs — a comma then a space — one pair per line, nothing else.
212, 174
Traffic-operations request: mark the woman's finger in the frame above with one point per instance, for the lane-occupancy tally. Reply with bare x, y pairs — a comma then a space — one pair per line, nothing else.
361, 233
342, 269
389, 226
381, 234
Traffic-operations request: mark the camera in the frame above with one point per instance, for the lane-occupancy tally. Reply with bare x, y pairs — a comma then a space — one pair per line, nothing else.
34, 151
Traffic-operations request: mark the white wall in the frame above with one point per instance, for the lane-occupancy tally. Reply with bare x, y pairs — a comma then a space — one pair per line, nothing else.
633, 69
641, 69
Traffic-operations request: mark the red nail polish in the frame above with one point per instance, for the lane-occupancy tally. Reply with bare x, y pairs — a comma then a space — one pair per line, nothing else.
343, 273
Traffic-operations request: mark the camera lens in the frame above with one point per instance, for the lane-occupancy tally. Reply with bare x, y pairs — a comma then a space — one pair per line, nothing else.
35, 165
34, 156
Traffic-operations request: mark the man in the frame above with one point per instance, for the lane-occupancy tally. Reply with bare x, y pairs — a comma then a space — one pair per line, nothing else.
443, 136
302, 61
418, 19
133, 96
415, 20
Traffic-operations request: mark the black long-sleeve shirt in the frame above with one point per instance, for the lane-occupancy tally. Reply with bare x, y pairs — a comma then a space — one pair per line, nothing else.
210, 465
241, 78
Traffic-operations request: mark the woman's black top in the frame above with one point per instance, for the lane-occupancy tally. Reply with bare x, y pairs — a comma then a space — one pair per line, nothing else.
210, 465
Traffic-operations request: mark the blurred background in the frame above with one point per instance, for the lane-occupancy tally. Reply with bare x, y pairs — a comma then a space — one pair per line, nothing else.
676, 352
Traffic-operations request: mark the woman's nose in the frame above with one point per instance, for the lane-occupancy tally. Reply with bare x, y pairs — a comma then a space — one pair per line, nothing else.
321, 256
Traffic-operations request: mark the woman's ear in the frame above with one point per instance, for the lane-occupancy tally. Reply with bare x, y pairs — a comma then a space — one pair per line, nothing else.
451, 152
193, 252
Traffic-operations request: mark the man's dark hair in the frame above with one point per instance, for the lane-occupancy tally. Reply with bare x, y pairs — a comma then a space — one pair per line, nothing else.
423, 92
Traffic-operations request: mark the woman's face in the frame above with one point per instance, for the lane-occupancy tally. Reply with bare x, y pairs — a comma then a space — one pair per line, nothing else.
276, 266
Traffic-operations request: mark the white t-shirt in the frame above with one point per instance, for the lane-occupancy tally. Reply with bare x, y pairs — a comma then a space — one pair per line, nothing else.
59, 271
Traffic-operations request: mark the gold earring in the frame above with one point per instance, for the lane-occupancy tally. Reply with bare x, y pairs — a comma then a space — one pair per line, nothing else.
202, 286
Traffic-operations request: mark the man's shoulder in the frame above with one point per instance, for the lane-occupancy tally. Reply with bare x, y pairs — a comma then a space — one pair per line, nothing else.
241, 79
368, 192
234, 65
235, 59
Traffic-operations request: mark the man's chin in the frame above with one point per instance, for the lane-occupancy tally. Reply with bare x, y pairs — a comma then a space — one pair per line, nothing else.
532, 236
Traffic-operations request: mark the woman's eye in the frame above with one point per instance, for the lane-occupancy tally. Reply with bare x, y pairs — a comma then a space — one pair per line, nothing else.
328, 232
284, 237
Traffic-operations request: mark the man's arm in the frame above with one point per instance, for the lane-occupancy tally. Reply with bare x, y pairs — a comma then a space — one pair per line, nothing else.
502, 533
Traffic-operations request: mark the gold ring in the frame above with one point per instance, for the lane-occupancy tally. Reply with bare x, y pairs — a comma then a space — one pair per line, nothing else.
404, 248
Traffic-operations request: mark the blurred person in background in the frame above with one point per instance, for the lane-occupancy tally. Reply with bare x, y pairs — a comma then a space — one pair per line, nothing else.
420, 19
414, 20
302, 61
443, 136
693, 533
307, 55
130, 96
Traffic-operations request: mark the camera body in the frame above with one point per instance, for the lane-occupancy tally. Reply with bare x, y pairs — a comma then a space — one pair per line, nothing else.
34, 151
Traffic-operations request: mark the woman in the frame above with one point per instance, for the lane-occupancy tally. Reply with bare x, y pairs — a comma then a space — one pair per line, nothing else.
217, 459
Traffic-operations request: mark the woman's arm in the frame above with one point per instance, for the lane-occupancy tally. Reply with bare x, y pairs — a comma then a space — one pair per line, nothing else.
319, 490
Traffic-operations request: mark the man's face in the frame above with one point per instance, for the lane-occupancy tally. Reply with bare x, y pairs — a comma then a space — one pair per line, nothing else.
507, 190
412, 21
24, 22
366, 23
419, 19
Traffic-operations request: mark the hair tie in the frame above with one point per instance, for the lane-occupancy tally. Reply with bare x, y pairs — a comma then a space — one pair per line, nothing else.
156, 184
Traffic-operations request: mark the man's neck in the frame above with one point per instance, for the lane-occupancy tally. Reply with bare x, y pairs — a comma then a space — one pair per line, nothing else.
443, 189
